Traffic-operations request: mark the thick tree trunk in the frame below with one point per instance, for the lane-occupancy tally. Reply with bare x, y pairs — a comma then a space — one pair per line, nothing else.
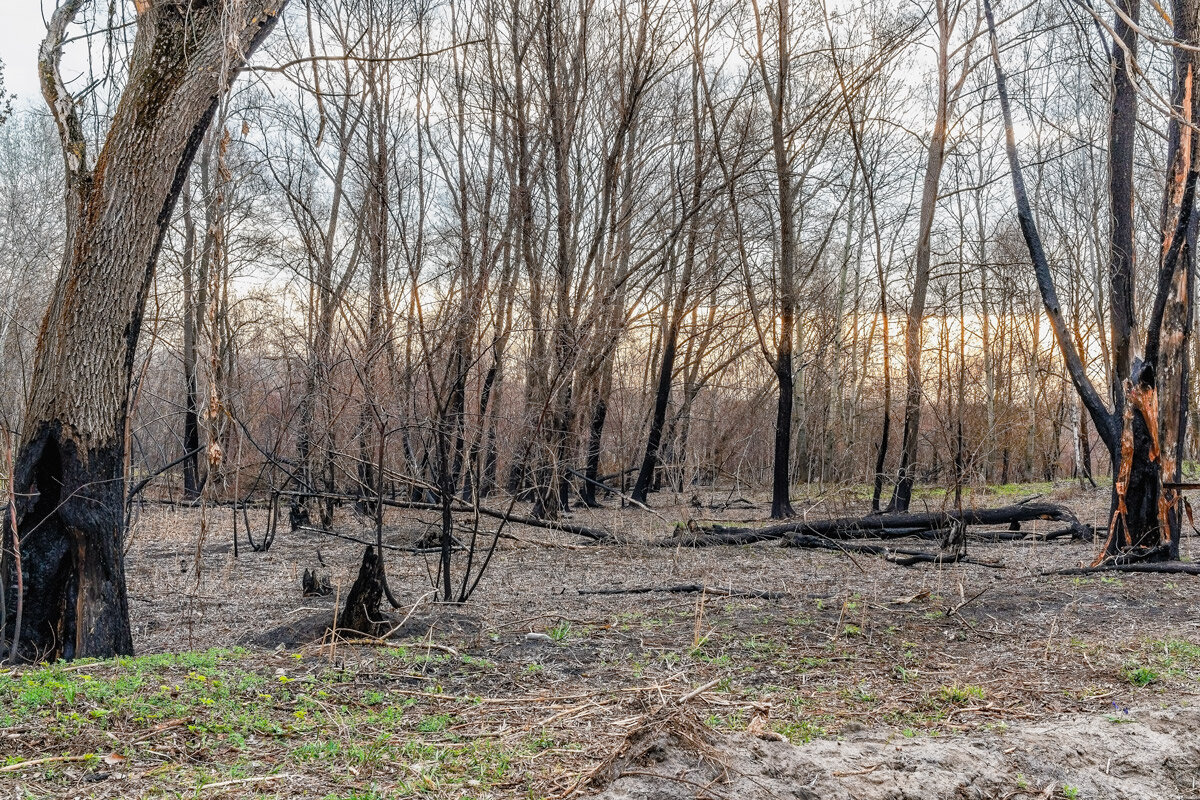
362, 613
69, 469
1169, 338
1138, 480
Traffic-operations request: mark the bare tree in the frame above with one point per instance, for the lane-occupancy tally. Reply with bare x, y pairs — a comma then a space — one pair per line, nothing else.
69, 470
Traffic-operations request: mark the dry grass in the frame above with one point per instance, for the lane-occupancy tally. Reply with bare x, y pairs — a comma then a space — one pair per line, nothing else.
461, 704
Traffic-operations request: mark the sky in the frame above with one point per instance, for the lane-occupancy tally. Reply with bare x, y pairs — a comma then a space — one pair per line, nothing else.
20, 36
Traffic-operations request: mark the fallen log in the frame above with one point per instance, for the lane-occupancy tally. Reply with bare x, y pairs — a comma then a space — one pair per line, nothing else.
1070, 531
884, 526
691, 588
895, 555
1148, 559
384, 545
1159, 567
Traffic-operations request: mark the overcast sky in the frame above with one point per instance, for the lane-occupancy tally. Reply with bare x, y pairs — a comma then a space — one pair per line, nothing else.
21, 32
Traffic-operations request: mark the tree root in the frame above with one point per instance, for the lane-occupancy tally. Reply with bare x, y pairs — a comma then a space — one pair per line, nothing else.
1149, 559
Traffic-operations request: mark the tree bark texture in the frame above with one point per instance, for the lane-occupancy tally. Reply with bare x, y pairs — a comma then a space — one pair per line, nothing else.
69, 469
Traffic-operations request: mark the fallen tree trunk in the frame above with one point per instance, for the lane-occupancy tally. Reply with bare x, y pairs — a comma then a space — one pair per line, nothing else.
885, 526
1072, 532
1147, 559
1159, 567
691, 588
905, 558
395, 547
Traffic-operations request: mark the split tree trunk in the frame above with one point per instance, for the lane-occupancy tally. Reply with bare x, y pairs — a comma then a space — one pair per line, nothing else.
69, 469
1168, 341
1143, 442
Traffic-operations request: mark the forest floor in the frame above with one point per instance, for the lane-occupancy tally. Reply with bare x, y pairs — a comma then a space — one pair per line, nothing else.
859, 679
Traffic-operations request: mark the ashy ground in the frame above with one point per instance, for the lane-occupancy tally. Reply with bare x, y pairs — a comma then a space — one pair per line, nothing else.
857, 679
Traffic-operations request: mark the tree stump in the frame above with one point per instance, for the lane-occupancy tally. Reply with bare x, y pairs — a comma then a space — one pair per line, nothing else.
315, 584
362, 612
954, 540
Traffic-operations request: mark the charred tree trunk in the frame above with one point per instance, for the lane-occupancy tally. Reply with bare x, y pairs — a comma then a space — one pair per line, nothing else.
362, 612
1143, 443
662, 397
595, 437
191, 302
781, 503
1122, 132
69, 469
1168, 341
777, 89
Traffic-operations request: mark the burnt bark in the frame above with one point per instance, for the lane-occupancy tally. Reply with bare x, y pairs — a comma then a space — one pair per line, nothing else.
1122, 130
1143, 443
69, 468
781, 503
777, 88
362, 611
662, 396
595, 437
933, 525
1168, 341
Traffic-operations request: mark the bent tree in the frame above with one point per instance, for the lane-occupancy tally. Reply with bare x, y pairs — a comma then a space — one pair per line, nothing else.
68, 599
1144, 431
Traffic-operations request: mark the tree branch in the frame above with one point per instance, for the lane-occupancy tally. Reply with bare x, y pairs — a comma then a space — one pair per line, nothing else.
361, 59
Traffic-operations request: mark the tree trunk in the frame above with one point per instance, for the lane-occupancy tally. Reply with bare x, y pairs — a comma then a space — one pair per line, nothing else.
362, 613
596, 436
778, 95
1144, 444
914, 323
1168, 337
191, 334
69, 469
662, 396
1122, 132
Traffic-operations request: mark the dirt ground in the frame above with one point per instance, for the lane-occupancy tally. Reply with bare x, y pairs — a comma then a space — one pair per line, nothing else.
858, 679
